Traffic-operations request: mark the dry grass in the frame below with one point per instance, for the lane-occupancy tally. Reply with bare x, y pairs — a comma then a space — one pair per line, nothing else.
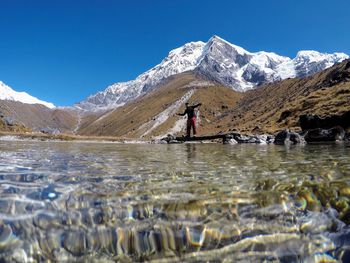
277, 106
36, 116
128, 120
62, 137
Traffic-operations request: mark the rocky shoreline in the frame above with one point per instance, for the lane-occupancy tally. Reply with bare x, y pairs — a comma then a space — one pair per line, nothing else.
314, 130
317, 135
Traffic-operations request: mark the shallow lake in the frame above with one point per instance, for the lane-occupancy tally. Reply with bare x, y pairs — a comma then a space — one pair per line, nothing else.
75, 201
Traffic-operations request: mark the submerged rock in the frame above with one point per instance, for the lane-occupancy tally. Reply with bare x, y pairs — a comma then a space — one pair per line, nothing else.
75, 242
8, 240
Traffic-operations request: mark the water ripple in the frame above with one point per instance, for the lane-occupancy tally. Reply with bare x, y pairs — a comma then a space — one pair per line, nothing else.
166, 203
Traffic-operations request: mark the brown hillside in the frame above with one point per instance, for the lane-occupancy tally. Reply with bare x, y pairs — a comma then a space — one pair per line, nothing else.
277, 106
37, 117
266, 109
139, 118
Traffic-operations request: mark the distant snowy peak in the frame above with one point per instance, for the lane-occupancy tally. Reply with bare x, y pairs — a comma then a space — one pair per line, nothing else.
314, 56
221, 61
7, 93
308, 62
242, 70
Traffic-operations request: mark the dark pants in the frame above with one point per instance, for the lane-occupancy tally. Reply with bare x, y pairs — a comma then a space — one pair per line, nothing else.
191, 123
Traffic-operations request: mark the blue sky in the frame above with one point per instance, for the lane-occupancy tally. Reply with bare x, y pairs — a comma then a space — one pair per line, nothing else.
64, 50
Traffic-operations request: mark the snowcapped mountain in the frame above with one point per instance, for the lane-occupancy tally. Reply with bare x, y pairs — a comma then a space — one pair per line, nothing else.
220, 61
7, 93
179, 60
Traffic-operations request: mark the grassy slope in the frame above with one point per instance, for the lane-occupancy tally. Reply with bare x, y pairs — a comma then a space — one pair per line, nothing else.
36, 116
127, 120
277, 106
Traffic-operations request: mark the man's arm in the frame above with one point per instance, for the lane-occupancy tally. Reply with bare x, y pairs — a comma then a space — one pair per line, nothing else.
182, 114
197, 105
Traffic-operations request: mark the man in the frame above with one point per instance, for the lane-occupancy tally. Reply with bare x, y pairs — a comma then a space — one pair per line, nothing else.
191, 118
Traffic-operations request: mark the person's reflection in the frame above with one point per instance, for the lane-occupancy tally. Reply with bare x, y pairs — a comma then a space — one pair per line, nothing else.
191, 150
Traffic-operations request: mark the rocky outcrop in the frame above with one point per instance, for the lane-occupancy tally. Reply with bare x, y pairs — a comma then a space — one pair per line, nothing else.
313, 135
285, 137
229, 138
337, 76
8, 124
259, 139
347, 136
289, 137
325, 135
310, 121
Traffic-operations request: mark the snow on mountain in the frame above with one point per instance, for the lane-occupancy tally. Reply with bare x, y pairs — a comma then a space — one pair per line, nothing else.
179, 60
7, 93
221, 61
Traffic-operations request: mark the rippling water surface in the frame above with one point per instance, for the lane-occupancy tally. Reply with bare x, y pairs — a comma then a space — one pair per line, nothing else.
106, 202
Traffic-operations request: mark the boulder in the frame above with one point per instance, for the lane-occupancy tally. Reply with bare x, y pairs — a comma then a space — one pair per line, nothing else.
288, 137
171, 139
240, 138
325, 135
270, 138
9, 121
49, 130
310, 121
260, 139
347, 137
229, 139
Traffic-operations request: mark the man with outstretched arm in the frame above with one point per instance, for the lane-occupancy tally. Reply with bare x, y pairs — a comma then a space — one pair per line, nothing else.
191, 118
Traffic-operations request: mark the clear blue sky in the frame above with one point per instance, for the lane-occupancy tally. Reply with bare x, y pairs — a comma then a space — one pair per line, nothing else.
64, 50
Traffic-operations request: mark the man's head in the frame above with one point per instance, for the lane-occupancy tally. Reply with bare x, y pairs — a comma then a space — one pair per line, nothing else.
186, 104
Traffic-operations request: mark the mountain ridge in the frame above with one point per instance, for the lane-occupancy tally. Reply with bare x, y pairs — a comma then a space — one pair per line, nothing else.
220, 61
7, 93
271, 108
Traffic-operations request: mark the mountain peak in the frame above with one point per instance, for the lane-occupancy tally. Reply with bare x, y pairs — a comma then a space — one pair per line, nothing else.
221, 61
216, 40
188, 47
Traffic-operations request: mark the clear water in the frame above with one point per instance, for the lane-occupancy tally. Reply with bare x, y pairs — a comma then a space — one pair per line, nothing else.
102, 202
